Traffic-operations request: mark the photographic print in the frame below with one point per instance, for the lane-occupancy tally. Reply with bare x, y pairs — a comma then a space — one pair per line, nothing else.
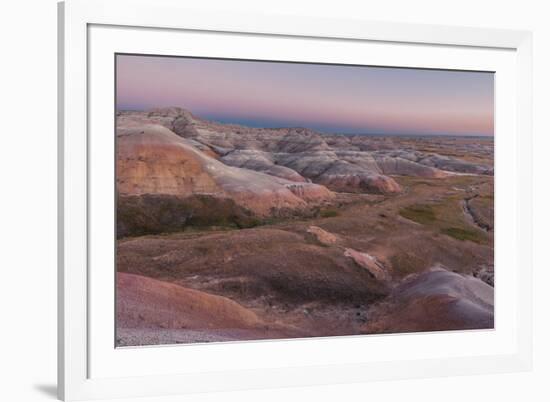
261, 200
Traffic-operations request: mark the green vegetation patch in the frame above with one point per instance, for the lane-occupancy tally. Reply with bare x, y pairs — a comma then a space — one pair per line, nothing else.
487, 201
405, 263
423, 214
155, 214
464, 234
329, 213
447, 217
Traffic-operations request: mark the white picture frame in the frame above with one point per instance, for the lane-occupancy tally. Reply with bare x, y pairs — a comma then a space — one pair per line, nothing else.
87, 366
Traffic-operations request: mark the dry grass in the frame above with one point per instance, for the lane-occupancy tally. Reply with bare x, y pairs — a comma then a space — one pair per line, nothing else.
464, 234
423, 214
447, 217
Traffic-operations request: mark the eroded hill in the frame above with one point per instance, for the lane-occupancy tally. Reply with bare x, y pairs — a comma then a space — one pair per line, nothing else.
298, 233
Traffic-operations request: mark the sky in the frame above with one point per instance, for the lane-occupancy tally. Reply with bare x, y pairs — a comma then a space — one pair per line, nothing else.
324, 97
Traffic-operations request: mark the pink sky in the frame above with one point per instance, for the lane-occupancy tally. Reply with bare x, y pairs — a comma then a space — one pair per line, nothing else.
330, 98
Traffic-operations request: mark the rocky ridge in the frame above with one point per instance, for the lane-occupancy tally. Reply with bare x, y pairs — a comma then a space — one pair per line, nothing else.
341, 163
153, 160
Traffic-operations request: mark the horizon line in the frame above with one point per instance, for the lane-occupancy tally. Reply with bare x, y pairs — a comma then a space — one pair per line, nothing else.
242, 123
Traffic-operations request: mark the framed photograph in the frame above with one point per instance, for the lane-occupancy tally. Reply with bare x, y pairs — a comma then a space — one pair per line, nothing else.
251, 201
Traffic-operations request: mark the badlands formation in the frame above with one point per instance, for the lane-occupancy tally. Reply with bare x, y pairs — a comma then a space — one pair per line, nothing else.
228, 232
